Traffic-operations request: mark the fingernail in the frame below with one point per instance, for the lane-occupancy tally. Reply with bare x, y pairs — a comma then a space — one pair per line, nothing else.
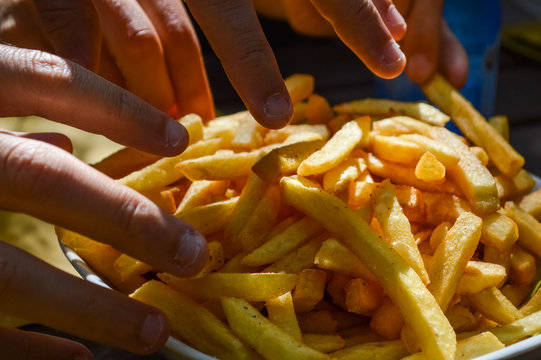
174, 133
277, 106
392, 55
191, 247
152, 330
419, 68
394, 17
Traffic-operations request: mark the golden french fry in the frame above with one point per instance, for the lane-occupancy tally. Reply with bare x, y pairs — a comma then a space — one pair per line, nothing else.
499, 231
429, 168
400, 282
451, 257
283, 243
252, 287
193, 323
479, 276
481, 154
442, 207
309, 290
469, 174
324, 342
248, 200
267, 338
284, 160
333, 255
473, 125
297, 260
501, 124
396, 228
447, 156
363, 297
338, 178
128, 267
512, 187
261, 220
470, 348
281, 313
333, 152
421, 111
523, 269
395, 149
210, 218
318, 110
531, 203
249, 134
164, 171
372, 350
519, 329
216, 258
297, 133
299, 86
495, 306
528, 228
387, 321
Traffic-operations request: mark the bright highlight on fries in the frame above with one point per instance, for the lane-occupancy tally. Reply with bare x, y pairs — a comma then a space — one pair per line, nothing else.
363, 231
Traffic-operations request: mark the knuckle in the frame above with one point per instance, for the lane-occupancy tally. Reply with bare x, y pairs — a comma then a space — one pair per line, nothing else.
361, 11
252, 52
43, 71
133, 218
142, 42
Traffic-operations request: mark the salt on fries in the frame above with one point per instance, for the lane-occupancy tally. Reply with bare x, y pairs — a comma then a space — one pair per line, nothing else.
366, 230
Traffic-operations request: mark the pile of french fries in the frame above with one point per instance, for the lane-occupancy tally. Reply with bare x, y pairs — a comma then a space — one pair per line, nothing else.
363, 231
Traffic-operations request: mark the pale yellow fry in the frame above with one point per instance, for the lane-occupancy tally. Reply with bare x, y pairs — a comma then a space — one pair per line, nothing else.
394, 148
499, 231
338, 178
402, 174
268, 339
519, 329
495, 306
501, 124
324, 342
297, 133
128, 267
220, 166
479, 276
513, 187
401, 282
469, 174
249, 198
470, 348
481, 154
474, 125
531, 203
210, 218
398, 125
446, 155
194, 323
419, 110
333, 152
280, 245
295, 261
299, 86
248, 135
382, 350
194, 125
335, 256
281, 313
429, 168
164, 171
261, 220
252, 287
451, 257
396, 228
200, 193
529, 228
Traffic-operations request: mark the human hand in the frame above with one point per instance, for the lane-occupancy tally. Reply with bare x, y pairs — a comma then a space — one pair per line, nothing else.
430, 45
45, 181
148, 46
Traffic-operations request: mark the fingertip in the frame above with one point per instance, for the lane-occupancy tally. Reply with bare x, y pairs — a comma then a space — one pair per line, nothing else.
154, 331
176, 136
277, 111
392, 61
191, 253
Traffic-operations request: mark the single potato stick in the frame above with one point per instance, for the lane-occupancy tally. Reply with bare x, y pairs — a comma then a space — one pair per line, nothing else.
267, 338
419, 110
252, 287
519, 329
402, 284
333, 152
194, 323
281, 313
474, 125
299, 86
210, 218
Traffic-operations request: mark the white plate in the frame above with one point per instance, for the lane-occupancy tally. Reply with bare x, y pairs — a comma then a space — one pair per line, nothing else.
528, 349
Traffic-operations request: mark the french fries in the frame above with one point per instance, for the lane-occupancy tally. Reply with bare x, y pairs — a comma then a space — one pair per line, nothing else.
366, 230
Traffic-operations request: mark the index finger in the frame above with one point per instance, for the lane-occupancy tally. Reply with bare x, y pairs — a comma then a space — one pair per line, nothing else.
360, 26
235, 34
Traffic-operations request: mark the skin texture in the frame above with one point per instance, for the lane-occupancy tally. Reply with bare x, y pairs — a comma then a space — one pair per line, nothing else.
125, 69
